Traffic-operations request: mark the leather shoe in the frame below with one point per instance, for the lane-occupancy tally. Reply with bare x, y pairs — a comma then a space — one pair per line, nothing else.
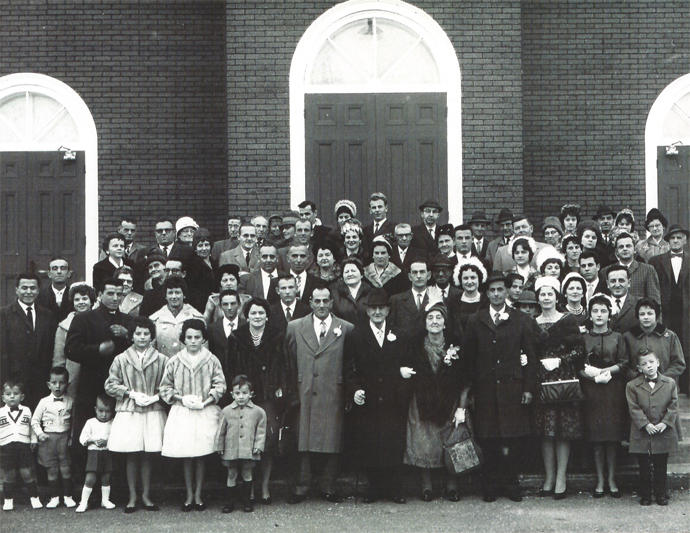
515, 495
130, 510
200, 506
187, 507
646, 502
452, 495
296, 498
333, 497
229, 507
662, 500
615, 493
546, 493
427, 496
152, 507
266, 501
489, 497
398, 499
598, 494
559, 495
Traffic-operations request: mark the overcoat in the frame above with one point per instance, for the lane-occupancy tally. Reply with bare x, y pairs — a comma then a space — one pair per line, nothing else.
675, 296
241, 430
348, 308
129, 372
404, 315
237, 256
648, 405
182, 377
644, 281
46, 298
319, 374
382, 420
663, 342
169, 327
498, 378
623, 321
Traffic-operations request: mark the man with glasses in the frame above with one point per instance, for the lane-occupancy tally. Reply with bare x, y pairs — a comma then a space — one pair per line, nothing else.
424, 235
403, 255
165, 237
246, 255
233, 241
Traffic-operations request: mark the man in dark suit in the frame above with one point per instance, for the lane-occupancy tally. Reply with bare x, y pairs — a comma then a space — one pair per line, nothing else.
644, 282
442, 277
288, 308
424, 235
220, 330
27, 339
493, 344
403, 255
246, 255
303, 236
233, 241
673, 269
134, 252
407, 307
479, 222
505, 223
464, 246
55, 297
297, 258
381, 225
623, 315
590, 265
165, 237
258, 283
307, 211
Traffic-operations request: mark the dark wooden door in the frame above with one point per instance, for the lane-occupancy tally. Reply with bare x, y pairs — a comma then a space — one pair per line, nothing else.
674, 185
357, 144
42, 214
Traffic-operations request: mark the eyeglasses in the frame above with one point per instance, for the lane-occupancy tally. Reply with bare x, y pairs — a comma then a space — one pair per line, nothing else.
173, 270
164, 230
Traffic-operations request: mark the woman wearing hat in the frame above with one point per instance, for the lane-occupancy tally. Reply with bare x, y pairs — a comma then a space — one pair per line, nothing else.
229, 280
182, 247
656, 224
562, 355
550, 263
201, 270
383, 274
553, 232
440, 385
444, 240
351, 241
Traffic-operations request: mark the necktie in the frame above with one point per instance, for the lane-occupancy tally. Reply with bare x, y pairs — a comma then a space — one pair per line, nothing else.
376, 227
246, 258
618, 305
30, 316
232, 328
496, 317
58, 399
298, 280
419, 300
165, 250
652, 380
676, 254
288, 314
322, 333
128, 250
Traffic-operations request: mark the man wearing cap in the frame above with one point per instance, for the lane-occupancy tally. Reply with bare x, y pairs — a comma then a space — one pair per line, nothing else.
381, 224
274, 235
381, 396
234, 223
246, 255
479, 222
673, 269
499, 345
644, 282
505, 223
522, 227
424, 235
442, 275
287, 229
655, 244
407, 307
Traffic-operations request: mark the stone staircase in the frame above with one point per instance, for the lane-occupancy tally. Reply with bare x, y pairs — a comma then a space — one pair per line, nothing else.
679, 462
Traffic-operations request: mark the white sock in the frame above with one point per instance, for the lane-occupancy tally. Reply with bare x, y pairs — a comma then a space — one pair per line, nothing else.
105, 493
85, 493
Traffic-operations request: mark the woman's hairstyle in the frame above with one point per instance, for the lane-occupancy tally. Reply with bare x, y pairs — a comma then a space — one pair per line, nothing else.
241, 381
626, 214
601, 299
124, 269
570, 239
381, 241
574, 277
193, 323
175, 282
112, 237
201, 235
352, 225
325, 245
591, 226
353, 261
569, 209
527, 243
233, 270
647, 302
259, 302
142, 322
82, 289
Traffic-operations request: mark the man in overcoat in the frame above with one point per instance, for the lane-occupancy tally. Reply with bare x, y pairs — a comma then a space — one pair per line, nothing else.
374, 357
497, 342
315, 346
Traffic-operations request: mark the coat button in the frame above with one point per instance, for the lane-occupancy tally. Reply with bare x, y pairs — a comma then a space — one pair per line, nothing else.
380, 399
494, 341
498, 361
241, 426
316, 375
313, 393
498, 381
241, 436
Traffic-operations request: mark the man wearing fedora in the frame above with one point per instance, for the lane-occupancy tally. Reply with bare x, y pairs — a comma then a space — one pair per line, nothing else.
655, 244
673, 269
505, 224
604, 218
424, 235
479, 222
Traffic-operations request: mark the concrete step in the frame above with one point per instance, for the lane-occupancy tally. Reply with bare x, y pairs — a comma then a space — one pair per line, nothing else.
682, 456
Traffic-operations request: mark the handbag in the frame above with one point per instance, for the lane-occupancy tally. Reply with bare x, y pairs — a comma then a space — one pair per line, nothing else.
461, 453
563, 390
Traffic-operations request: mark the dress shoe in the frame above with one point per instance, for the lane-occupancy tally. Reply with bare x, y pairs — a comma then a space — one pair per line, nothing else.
187, 507
489, 497
296, 498
559, 495
598, 494
662, 500
645, 501
266, 501
515, 495
399, 500
615, 493
452, 495
248, 506
229, 507
333, 497
130, 509
200, 506
546, 493
427, 496
152, 507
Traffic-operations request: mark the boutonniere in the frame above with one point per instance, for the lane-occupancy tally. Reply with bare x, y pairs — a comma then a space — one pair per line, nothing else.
338, 331
391, 336
666, 334
502, 317
451, 353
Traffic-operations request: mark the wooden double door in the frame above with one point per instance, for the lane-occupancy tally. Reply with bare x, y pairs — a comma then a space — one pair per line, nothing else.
357, 144
674, 185
42, 214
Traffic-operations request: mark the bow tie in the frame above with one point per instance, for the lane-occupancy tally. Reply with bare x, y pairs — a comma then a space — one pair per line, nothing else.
652, 380
58, 399
14, 409
676, 254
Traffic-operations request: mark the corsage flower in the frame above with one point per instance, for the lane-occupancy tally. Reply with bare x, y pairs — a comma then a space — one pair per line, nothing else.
338, 331
451, 354
391, 336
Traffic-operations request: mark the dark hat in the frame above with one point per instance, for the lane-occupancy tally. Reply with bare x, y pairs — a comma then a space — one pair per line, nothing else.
202, 234
377, 297
602, 210
676, 228
505, 215
552, 222
496, 275
275, 216
431, 202
155, 254
446, 229
290, 218
655, 214
527, 297
479, 216
441, 260
229, 268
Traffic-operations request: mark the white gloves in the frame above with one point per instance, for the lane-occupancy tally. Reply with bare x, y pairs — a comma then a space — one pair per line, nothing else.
406, 372
192, 402
459, 417
592, 371
143, 400
523, 359
359, 397
604, 377
551, 363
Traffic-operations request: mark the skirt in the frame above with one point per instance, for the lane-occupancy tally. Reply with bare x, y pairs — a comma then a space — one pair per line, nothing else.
191, 432
137, 432
424, 441
100, 461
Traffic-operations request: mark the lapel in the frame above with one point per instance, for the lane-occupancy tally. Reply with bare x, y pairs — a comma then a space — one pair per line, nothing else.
306, 329
633, 267
22, 315
411, 302
485, 317
330, 337
186, 360
370, 339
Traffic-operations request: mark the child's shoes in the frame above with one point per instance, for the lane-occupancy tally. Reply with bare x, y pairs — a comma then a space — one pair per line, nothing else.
8, 505
83, 506
36, 502
53, 503
69, 501
107, 504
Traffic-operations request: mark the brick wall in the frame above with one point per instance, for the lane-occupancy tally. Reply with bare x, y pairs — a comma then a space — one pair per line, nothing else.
153, 77
592, 71
261, 40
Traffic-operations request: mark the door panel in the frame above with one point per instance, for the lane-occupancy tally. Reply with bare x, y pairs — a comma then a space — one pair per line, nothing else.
357, 144
674, 185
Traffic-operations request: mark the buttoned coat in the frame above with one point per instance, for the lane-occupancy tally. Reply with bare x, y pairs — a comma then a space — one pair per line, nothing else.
237, 256
663, 342
27, 352
422, 239
404, 315
498, 378
319, 374
129, 372
493, 247
241, 431
644, 281
675, 296
382, 420
627, 318
348, 308
649, 405
169, 327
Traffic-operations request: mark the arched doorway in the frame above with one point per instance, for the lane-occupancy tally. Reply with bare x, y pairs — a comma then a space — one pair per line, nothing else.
375, 106
667, 152
49, 177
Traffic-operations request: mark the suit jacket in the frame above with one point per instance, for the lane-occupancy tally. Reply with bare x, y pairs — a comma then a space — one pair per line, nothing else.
412, 255
104, 270
503, 261
46, 298
422, 239
253, 284
318, 377
27, 353
404, 315
675, 296
223, 246
644, 281
626, 319
368, 230
493, 355
278, 316
283, 255
492, 248
309, 286
218, 343
485, 246
236, 256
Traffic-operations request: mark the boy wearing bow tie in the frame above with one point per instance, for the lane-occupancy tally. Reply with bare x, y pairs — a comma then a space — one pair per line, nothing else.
52, 423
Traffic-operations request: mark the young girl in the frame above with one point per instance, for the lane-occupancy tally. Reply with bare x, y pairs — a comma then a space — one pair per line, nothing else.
99, 460
193, 382
241, 418
140, 420
603, 386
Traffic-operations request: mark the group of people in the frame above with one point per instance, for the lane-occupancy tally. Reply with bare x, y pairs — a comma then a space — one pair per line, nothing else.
382, 336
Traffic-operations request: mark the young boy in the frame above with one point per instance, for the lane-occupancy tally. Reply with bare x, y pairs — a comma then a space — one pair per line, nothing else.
516, 283
52, 423
527, 303
16, 442
652, 401
99, 459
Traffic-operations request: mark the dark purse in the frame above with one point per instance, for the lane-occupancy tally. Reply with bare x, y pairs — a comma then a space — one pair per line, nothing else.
461, 453
563, 390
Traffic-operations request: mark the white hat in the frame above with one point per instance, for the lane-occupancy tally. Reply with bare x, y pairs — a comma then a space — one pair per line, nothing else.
185, 222
546, 253
547, 281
